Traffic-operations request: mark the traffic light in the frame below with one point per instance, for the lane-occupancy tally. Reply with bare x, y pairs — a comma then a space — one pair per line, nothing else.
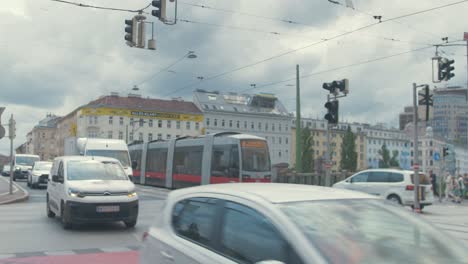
160, 12
131, 30
445, 69
337, 86
332, 112
445, 152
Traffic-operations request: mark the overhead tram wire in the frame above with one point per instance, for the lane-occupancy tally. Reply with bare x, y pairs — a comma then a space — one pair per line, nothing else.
165, 69
323, 41
103, 7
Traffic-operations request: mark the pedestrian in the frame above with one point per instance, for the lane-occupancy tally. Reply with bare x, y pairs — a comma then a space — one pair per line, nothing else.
465, 183
434, 183
448, 187
461, 187
453, 189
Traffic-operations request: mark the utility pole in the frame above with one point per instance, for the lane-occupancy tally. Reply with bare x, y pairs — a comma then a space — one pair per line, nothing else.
11, 135
328, 157
416, 147
298, 124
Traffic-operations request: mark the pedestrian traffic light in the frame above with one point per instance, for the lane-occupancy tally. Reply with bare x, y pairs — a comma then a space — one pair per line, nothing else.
337, 86
445, 152
445, 69
329, 87
332, 112
160, 12
131, 30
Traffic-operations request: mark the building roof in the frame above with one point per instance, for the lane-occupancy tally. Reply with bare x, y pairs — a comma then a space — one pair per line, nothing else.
214, 101
274, 192
149, 104
50, 121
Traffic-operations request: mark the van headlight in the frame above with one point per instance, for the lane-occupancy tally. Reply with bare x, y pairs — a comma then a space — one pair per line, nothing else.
73, 192
132, 194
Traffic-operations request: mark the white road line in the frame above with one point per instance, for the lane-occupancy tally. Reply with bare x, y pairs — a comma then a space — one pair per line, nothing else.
60, 253
7, 256
116, 249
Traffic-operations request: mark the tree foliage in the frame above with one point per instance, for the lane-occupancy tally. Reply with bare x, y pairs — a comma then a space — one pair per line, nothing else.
307, 150
384, 161
348, 151
394, 160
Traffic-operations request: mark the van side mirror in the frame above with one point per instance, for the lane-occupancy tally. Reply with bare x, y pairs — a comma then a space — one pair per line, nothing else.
134, 164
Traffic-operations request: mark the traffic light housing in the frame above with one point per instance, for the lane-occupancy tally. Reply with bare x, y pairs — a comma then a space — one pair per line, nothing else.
332, 112
445, 69
445, 152
131, 29
160, 12
337, 86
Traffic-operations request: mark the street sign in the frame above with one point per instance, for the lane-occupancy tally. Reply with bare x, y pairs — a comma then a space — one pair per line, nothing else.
416, 166
436, 156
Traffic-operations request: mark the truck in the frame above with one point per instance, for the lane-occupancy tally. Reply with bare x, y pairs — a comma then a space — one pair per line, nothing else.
112, 148
22, 164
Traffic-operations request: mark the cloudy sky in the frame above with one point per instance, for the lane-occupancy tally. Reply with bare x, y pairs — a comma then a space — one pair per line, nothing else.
55, 57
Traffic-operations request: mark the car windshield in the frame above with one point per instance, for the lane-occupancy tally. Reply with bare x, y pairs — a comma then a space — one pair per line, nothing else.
94, 170
43, 166
120, 155
255, 156
28, 161
370, 231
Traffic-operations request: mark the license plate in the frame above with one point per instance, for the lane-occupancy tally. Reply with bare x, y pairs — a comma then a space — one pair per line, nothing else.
107, 209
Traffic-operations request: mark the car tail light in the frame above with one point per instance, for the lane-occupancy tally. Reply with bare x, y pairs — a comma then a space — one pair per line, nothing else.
145, 236
410, 187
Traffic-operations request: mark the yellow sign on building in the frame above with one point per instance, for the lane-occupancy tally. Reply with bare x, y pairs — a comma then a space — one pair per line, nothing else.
140, 114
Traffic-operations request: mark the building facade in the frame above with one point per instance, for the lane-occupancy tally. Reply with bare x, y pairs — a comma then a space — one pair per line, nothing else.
131, 118
261, 115
319, 133
43, 138
406, 117
451, 114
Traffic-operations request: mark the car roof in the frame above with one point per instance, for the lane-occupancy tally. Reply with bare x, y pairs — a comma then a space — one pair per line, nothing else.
275, 192
84, 158
392, 170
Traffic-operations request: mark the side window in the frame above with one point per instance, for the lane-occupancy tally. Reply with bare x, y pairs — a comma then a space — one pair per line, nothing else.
225, 161
395, 177
378, 176
60, 170
248, 237
361, 177
194, 219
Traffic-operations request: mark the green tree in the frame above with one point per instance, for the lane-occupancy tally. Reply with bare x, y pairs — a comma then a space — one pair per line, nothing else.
307, 150
348, 151
394, 160
384, 161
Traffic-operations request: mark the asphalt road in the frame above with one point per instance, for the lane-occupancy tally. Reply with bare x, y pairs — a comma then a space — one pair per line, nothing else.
30, 233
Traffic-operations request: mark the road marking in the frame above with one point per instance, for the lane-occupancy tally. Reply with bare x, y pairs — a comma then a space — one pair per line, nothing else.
116, 249
7, 256
59, 253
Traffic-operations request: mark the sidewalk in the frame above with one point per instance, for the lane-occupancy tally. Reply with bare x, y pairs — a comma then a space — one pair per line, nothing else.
19, 194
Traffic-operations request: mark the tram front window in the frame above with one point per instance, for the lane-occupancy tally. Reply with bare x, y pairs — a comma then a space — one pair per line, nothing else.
255, 156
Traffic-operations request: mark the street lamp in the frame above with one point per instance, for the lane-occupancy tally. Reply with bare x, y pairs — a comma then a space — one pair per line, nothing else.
191, 55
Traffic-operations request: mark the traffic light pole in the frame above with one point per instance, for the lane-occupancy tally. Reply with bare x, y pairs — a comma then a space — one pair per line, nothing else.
328, 158
416, 148
11, 135
298, 124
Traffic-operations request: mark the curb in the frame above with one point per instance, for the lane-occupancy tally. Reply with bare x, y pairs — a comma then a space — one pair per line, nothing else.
22, 198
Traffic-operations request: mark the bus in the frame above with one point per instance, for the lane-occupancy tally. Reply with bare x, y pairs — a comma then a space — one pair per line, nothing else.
190, 161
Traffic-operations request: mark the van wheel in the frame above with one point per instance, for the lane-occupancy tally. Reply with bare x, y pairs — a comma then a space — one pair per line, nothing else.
130, 224
50, 214
65, 223
394, 199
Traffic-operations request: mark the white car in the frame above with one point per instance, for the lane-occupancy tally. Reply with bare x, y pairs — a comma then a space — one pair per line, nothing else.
287, 223
39, 174
394, 185
6, 170
85, 189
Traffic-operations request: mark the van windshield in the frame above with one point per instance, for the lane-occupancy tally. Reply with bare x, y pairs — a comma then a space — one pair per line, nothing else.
121, 155
28, 161
94, 170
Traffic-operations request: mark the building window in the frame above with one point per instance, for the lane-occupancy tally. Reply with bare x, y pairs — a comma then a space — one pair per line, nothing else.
140, 136
168, 136
230, 123
150, 123
238, 124
286, 140
259, 125
197, 126
121, 121
207, 122
169, 123
272, 127
252, 126
273, 138
132, 121
177, 124
120, 135
279, 140
287, 127
95, 120
216, 122
109, 134
131, 137
279, 126
245, 124
223, 123
90, 119
111, 120
159, 136
43, 135
279, 154
266, 126
150, 136
187, 125
141, 122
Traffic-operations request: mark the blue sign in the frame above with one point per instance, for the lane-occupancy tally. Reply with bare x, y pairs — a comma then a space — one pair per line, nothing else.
436, 156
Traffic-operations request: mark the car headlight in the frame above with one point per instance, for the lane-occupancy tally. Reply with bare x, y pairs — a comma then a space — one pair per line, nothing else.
74, 193
36, 174
132, 194
17, 168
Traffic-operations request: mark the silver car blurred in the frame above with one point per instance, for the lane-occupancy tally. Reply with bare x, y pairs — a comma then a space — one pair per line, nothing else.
284, 223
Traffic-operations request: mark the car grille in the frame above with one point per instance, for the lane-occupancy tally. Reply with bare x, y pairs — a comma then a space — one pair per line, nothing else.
43, 178
104, 193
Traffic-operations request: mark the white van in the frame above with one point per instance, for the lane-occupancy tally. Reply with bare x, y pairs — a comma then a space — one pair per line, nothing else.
112, 148
87, 189
22, 164
394, 185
